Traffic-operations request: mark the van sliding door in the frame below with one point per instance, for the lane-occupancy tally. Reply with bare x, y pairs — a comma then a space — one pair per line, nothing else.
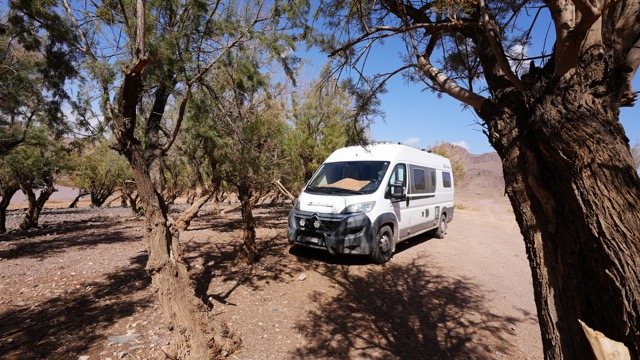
421, 198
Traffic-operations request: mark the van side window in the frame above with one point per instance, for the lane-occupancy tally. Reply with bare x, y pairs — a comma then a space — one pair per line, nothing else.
398, 176
432, 182
419, 180
446, 179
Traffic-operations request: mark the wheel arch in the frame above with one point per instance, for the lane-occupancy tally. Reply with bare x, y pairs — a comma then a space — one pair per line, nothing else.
390, 220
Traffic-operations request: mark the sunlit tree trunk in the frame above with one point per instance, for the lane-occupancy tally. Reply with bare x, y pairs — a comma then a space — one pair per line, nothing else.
32, 215
195, 333
191, 212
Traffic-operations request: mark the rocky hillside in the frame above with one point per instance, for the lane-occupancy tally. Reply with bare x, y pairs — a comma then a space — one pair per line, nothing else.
483, 172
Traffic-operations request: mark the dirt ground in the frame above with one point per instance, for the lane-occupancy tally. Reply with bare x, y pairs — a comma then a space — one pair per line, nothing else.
77, 289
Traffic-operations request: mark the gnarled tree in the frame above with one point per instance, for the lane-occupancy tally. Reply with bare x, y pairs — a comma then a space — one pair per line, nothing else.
164, 49
567, 164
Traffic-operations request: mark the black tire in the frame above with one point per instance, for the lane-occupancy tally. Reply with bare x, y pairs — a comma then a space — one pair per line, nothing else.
441, 231
382, 246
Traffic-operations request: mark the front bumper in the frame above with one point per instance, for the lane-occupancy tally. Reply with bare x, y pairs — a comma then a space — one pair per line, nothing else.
336, 233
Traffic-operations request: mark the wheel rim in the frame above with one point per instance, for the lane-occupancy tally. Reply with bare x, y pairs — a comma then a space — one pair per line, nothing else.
384, 243
443, 225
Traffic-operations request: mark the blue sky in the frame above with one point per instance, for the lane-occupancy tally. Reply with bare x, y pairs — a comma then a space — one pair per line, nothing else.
421, 119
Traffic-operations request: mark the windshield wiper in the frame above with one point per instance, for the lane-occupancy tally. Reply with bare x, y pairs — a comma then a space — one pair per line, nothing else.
337, 190
332, 190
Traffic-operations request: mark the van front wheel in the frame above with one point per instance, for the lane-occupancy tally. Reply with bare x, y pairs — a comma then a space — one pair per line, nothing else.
382, 246
440, 232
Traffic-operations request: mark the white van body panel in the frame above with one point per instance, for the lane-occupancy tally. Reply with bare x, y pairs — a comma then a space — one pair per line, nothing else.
426, 179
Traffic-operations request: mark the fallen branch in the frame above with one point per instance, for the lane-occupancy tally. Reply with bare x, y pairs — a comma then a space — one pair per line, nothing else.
283, 190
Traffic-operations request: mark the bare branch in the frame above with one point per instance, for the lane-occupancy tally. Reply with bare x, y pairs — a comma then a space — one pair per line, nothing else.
448, 86
181, 112
392, 31
140, 31
491, 31
86, 49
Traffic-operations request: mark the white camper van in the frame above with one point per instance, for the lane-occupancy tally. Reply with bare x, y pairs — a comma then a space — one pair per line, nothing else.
364, 200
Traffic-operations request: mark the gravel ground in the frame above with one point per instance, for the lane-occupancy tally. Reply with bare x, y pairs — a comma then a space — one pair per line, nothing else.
77, 289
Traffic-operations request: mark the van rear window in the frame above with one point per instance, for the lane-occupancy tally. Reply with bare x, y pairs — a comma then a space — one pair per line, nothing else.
446, 179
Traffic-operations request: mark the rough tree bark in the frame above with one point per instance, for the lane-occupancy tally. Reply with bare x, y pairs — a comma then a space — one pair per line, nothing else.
196, 335
571, 181
249, 251
567, 164
7, 193
31, 216
191, 212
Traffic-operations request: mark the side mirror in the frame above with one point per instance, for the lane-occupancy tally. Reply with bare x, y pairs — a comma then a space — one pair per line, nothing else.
396, 191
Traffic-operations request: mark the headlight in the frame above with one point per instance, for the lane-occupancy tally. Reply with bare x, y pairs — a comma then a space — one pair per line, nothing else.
364, 207
297, 204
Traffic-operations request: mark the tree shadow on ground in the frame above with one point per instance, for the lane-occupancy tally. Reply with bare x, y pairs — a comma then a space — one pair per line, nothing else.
65, 234
402, 312
67, 325
209, 259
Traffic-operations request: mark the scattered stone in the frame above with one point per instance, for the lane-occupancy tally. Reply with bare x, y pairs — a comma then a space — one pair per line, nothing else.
122, 339
302, 277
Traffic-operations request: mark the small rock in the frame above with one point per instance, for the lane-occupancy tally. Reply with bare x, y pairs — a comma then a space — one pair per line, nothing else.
83, 357
123, 339
302, 277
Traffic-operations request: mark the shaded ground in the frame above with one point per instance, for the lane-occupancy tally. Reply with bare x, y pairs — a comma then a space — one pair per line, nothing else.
77, 289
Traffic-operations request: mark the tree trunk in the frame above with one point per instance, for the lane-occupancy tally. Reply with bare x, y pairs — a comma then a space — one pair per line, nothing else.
30, 218
133, 201
7, 194
249, 251
98, 197
81, 193
571, 181
196, 335
190, 213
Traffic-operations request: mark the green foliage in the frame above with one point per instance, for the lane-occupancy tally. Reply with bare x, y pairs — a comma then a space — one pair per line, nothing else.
320, 122
37, 59
447, 150
100, 171
38, 161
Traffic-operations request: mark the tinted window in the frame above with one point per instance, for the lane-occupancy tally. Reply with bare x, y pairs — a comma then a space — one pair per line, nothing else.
446, 179
419, 180
432, 187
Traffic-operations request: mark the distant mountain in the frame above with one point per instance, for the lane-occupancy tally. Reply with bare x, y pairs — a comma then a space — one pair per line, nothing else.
483, 172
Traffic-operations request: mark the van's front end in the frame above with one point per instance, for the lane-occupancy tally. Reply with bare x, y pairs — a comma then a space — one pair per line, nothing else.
338, 208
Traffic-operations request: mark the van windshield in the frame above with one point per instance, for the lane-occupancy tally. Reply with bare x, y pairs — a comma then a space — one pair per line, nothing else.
348, 177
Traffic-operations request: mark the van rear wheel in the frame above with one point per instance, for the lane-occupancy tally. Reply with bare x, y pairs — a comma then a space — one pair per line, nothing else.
441, 231
382, 246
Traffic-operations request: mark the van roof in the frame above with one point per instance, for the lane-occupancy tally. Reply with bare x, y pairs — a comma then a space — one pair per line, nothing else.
388, 152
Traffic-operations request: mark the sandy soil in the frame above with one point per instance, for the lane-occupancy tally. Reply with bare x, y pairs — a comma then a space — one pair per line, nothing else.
77, 289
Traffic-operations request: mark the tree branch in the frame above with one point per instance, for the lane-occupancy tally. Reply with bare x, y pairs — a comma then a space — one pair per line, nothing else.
491, 30
392, 31
86, 49
448, 86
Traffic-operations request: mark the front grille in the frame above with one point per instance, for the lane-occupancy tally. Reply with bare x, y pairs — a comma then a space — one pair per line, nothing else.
326, 226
